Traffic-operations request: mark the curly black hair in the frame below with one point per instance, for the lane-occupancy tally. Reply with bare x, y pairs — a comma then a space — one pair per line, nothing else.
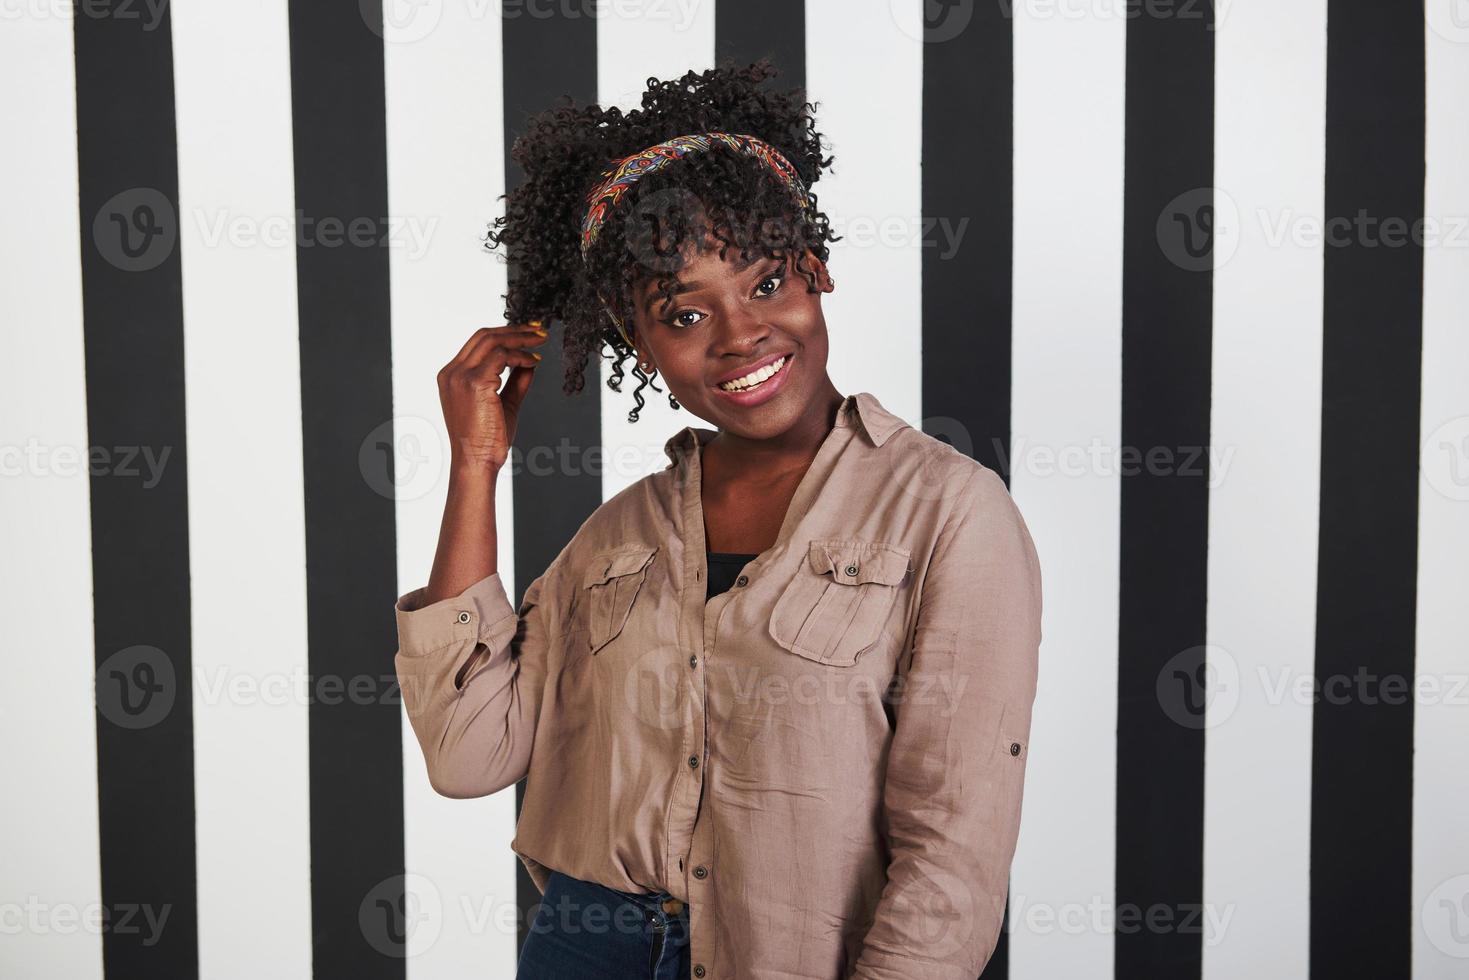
718, 194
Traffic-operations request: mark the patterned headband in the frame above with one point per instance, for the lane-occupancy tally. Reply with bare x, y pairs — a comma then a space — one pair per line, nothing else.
626, 171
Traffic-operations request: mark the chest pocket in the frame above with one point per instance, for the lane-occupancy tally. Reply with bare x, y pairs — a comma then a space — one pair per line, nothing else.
610, 586
835, 606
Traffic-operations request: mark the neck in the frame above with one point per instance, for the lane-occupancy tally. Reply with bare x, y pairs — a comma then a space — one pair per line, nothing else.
794, 447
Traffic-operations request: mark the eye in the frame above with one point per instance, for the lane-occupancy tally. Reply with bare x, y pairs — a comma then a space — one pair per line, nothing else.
777, 279
677, 320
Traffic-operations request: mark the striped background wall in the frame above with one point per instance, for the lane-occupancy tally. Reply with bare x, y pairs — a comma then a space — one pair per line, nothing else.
1193, 278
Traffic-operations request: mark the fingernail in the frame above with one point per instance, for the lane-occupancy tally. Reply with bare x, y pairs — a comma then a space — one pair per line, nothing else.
542, 331
535, 355
535, 323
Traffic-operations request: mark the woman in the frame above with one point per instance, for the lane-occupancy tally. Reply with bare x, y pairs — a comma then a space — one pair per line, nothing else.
773, 701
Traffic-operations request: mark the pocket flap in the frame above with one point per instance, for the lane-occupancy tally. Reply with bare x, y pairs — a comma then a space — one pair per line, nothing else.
858, 562
610, 565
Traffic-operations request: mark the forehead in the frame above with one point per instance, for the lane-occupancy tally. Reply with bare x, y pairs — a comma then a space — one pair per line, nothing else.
705, 265
699, 269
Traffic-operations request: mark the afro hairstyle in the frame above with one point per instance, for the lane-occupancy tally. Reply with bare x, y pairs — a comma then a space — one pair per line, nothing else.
716, 197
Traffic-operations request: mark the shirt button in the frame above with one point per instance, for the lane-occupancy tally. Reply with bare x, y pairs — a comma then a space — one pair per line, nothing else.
693, 661
698, 969
851, 569
693, 762
742, 580
701, 872
464, 617
1014, 748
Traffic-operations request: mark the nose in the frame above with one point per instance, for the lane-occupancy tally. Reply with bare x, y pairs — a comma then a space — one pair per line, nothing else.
741, 330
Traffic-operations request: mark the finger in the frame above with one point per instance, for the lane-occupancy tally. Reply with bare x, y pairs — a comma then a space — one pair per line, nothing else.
484, 372
487, 335
501, 341
489, 368
516, 386
469, 344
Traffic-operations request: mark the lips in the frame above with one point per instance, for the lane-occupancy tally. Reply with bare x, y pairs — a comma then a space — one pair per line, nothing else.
761, 393
750, 368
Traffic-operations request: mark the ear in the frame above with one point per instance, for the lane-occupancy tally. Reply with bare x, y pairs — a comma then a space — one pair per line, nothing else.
824, 281
639, 353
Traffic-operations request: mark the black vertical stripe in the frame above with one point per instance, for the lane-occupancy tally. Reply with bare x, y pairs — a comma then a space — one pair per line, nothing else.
748, 30
1362, 736
968, 199
547, 56
356, 762
133, 329
1167, 326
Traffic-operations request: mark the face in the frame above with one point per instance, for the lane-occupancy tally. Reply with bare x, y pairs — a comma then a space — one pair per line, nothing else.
729, 318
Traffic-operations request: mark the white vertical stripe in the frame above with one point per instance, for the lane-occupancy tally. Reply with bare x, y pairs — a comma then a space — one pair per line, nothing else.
246, 509
638, 39
864, 69
1441, 715
1270, 92
635, 41
445, 170
49, 866
1069, 73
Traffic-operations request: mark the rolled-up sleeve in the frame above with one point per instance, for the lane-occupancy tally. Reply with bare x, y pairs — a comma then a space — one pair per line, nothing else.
956, 765
472, 668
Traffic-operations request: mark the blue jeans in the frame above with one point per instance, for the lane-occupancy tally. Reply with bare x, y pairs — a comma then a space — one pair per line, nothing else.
588, 931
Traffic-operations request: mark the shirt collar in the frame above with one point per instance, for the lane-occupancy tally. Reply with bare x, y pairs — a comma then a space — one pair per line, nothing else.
862, 409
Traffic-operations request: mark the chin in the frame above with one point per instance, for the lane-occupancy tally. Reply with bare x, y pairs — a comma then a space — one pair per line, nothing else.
769, 420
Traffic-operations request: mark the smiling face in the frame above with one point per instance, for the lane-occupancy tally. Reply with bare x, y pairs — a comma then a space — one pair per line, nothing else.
730, 318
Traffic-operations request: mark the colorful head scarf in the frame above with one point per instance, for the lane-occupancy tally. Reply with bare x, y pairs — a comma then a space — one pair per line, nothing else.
626, 171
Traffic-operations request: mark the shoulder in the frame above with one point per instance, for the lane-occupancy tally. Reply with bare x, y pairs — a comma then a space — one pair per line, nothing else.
936, 475
925, 465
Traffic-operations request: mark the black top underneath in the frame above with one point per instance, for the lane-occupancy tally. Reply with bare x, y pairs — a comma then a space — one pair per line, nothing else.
724, 568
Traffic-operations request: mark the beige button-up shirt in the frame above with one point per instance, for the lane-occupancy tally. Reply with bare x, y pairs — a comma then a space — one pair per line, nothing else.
825, 762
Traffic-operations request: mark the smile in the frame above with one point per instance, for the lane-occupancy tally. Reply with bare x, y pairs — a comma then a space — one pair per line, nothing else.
755, 378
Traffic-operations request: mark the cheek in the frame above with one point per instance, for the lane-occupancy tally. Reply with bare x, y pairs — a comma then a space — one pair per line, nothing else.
682, 371
802, 316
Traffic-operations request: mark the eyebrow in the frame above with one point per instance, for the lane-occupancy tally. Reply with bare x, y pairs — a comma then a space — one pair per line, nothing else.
687, 287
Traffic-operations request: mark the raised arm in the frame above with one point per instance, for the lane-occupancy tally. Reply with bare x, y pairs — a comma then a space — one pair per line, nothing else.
470, 665
956, 768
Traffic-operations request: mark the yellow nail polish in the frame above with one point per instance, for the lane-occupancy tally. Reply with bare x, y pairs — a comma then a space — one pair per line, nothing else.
535, 355
535, 323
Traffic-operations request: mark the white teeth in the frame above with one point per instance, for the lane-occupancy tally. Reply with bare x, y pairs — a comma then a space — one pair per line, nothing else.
754, 377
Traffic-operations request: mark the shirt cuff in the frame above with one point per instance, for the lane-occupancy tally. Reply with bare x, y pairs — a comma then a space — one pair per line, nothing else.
471, 615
